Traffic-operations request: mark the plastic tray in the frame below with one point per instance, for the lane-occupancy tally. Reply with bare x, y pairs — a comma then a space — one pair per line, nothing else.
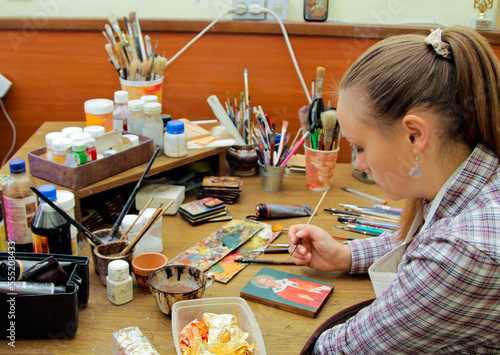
184, 312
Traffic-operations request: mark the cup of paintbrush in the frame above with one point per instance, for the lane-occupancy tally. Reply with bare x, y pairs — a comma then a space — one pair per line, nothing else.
328, 121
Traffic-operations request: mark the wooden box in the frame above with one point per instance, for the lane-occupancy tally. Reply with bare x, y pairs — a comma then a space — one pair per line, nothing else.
77, 177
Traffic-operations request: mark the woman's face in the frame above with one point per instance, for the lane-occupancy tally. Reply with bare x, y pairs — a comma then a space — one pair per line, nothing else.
385, 156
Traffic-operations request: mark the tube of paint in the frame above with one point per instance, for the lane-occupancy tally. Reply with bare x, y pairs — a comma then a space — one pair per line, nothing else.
272, 210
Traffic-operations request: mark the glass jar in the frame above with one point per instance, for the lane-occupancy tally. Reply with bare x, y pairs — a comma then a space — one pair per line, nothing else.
243, 160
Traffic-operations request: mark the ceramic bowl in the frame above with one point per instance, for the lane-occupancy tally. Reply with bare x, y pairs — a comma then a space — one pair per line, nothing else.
144, 264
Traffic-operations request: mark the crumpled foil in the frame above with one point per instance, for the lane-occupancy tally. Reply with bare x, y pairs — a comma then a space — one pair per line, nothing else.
215, 334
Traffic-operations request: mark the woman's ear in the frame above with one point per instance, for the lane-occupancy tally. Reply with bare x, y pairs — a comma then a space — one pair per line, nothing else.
417, 132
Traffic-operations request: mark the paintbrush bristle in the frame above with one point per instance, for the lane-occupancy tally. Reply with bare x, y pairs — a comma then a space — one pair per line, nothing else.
277, 227
328, 119
304, 115
320, 72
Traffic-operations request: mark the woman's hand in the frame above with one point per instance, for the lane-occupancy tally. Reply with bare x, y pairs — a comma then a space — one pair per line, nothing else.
319, 250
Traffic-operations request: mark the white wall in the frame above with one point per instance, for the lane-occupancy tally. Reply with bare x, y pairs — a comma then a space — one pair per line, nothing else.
418, 12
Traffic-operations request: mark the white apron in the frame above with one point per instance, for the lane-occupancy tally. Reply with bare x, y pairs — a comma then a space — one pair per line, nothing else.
383, 271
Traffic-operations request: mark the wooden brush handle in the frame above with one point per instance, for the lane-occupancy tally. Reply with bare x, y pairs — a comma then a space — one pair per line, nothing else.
320, 75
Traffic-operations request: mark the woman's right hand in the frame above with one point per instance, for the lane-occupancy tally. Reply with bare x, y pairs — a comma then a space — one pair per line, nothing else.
319, 250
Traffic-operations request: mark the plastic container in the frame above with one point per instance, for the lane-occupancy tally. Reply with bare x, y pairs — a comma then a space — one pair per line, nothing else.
119, 285
51, 232
95, 131
59, 147
126, 223
153, 124
135, 116
99, 112
90, 149
3, 239
152, 241
20, 204
175, 139
66, 200
183, 312
133, 138
120, 114
80, 136
49, 137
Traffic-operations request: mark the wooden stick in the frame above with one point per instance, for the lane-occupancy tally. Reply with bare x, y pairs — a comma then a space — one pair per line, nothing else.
154, 218
308, 222
135, 221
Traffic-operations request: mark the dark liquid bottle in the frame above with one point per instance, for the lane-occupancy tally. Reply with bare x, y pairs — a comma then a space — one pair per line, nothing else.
51, 231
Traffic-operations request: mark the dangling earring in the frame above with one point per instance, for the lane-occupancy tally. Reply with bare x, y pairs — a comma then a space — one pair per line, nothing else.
416, 172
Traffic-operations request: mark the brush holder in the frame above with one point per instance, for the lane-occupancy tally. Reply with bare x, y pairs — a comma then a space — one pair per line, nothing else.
136, 89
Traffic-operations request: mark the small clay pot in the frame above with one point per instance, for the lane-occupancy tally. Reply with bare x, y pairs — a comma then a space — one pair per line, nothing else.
106, 253
242, 160
144, 264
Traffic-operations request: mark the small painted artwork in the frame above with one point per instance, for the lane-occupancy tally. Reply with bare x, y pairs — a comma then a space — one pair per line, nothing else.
199, 207
315, 10
222, 181
216, 246
227, 268
286, 291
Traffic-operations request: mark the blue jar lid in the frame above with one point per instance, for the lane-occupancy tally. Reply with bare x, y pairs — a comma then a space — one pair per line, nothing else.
48, 191
17, 166
175, 127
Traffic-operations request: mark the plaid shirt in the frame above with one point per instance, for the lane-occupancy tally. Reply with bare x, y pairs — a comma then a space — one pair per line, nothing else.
446, 295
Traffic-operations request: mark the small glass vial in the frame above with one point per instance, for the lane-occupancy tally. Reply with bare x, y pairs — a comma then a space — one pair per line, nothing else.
175, 139
152, 241
120, 114
59, 147
95, 131
119, 283
135, 116
80, 152
99, 112
49, 137
90, 149
153, 124
149, 98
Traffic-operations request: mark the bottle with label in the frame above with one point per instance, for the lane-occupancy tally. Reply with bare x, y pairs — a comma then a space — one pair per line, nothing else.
153, 124
51, 231
99, 112
80, 152
90, 149
20, 206
135, 116
175, 139
59, 147
119, 283
120, 114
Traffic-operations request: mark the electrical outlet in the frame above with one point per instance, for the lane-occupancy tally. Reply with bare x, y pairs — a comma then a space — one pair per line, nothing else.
279, 7
4, 85
247, 15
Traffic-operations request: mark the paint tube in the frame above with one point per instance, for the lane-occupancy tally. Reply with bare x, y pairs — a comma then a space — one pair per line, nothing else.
271, 210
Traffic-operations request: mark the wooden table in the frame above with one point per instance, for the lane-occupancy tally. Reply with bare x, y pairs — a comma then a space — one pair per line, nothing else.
283, 332
160, 165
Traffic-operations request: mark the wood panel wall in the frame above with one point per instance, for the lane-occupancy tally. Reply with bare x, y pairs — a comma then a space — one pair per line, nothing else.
56, 68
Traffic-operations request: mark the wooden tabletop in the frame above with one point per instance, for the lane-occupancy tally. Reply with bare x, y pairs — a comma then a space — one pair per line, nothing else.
283, 332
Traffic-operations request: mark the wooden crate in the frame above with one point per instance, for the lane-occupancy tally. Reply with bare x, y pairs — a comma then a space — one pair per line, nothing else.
77, 177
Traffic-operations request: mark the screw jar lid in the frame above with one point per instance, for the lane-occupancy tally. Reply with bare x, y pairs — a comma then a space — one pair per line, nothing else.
90, 142
175, 127
99, 106
82, 136
70, 130
152, 108
79, 146
149, 98
48, 191
118, 270
95, 131
121, 97
61, 144
136, 105
49, 137
17, 166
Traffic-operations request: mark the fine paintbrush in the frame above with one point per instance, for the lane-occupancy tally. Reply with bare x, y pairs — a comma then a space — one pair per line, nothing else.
58, 209
118, 222
308, 222
269, 262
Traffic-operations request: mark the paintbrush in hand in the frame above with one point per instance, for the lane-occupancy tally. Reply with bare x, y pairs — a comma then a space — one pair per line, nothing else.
308, 222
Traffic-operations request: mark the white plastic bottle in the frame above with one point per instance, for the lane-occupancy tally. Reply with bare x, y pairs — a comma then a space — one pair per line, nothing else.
135, 116
120, 114
153, 124
125, 226
175, 139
